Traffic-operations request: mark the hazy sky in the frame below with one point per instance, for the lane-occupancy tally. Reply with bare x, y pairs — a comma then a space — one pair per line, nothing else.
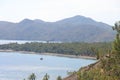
107, 11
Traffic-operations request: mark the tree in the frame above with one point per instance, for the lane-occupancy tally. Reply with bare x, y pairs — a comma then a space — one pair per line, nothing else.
46, 77
117, 27
59, 78
32, 77
116, 43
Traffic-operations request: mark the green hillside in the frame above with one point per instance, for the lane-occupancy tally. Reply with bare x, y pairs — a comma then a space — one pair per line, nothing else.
78, 49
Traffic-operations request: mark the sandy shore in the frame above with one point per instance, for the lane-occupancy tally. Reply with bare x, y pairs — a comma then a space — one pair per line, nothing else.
52, 54
70, 56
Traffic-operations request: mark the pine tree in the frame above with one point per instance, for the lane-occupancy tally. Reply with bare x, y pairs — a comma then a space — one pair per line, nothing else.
32, 77
116, 43
59, 78
46, 77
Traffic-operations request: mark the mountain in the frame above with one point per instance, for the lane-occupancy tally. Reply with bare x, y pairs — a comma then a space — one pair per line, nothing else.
73, 29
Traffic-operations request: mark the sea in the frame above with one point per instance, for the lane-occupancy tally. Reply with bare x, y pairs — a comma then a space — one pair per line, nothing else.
18, 65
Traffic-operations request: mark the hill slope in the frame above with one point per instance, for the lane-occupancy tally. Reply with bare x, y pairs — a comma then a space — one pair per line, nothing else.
106, 68
77, 28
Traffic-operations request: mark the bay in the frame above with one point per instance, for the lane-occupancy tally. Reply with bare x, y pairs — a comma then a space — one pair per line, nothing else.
17, 66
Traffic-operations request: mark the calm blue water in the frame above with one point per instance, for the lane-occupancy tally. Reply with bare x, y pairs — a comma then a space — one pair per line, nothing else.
17, 66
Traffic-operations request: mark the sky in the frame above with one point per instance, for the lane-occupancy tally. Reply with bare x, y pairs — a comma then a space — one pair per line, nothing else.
107, 11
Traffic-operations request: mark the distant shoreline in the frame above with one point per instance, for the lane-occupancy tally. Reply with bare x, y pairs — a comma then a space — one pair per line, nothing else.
52, 54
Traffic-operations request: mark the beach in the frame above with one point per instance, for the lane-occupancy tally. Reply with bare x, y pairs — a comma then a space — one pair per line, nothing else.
52, 54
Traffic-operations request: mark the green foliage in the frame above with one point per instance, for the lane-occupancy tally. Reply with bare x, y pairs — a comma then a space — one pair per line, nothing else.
32, 77
117, 27
46, 77
116, 43
59, 78
83, 49
108, 69
96, 74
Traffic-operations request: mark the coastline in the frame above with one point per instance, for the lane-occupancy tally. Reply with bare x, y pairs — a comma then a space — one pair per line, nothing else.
52, 54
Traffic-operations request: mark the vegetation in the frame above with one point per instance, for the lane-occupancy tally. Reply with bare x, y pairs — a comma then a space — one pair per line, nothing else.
83, 49
46, 77
108, 67
116, 43
32, 77
59, 78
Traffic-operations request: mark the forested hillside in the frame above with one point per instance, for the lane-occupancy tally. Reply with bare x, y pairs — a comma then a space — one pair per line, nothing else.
83, 49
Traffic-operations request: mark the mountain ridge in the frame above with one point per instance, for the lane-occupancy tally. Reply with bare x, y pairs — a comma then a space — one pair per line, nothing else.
74, 29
